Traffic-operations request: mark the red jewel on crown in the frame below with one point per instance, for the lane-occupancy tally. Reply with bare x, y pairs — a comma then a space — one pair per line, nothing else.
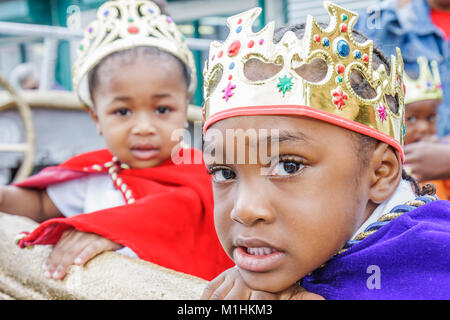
339, 97
234, 48
133, 29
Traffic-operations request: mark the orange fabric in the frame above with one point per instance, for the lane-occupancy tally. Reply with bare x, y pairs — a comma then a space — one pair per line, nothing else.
441, 19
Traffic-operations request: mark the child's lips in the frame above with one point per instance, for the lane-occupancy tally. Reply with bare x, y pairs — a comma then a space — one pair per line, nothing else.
144, 152
256, 255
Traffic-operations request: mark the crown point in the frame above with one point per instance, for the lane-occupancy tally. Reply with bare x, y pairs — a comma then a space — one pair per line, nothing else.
234, 48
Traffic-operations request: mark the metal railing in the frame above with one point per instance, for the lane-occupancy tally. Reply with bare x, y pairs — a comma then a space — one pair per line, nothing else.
53, 34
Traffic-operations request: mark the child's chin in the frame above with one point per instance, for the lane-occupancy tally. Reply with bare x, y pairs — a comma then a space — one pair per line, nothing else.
143, 164
266, 281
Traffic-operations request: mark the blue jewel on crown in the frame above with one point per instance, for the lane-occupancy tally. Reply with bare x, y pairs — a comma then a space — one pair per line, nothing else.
343, 48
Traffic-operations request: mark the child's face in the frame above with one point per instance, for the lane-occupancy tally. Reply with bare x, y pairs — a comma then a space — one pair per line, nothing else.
137, 107
280, 226
421, 119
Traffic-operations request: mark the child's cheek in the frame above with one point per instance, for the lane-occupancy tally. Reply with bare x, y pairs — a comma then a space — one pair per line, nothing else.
222, 221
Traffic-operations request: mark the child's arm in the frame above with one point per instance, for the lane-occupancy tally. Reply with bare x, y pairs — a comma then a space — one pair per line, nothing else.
75, 247
229, 285
31, 203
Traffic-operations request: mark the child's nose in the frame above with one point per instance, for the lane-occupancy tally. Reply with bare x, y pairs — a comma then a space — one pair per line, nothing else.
422, 126
144, 125
252, 206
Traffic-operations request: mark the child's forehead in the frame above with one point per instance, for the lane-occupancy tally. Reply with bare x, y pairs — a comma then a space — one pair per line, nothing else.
422, 106
283, 128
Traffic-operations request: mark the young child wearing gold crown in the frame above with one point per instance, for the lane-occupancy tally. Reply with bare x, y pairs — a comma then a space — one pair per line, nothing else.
327, 213
422, 98
135, 75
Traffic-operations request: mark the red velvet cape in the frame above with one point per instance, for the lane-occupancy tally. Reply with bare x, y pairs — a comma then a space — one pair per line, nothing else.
170, 223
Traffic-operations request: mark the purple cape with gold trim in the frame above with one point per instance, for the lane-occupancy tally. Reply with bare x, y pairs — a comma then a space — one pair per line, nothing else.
409, 258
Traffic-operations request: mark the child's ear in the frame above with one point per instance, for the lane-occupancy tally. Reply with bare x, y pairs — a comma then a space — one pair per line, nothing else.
94, 117
385, 172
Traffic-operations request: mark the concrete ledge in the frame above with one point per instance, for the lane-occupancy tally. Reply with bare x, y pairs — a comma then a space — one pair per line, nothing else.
108, 276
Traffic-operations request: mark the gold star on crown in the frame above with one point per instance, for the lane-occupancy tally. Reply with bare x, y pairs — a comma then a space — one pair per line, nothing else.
427, 86
331, 99
125, 24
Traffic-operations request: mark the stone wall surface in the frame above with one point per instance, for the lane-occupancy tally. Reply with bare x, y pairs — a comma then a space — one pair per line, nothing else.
108, 276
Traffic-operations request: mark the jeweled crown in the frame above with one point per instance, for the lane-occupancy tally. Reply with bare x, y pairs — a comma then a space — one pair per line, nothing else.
227, 89
427, 86
124, 24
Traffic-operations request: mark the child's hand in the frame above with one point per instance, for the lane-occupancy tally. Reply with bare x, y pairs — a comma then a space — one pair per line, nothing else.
229, 285
75, 247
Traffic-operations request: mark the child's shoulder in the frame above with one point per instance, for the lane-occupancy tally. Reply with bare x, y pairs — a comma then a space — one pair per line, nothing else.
408, 257
96, 157
433, 215
428, 223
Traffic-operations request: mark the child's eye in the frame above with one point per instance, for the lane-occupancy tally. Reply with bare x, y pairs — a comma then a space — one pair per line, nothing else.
411, 119
122, 112
163, 110
432, 118
221, 174
286, 167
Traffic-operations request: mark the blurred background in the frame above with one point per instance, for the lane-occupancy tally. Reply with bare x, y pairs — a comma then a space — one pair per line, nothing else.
38, 41
29, 30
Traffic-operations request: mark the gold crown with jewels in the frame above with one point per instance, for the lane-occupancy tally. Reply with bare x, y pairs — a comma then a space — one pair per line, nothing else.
228, 92
427, 86
125, 24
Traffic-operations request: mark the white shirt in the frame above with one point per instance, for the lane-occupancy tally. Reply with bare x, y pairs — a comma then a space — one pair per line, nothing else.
94, 192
